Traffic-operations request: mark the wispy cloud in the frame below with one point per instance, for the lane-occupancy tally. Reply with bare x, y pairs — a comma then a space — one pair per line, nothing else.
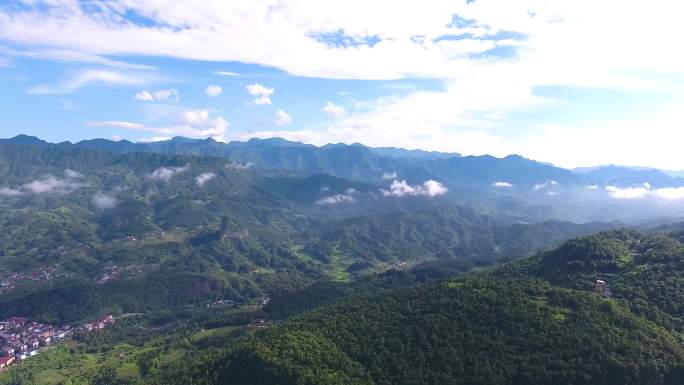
51, 184
93, 77
191, 123
9, 192
227, 73
104, 201
502, 184
239, 166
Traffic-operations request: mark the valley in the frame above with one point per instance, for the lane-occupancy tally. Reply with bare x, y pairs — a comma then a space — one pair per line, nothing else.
234, 272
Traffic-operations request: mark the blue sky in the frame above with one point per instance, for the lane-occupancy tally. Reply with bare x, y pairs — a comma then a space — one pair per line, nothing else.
573, 84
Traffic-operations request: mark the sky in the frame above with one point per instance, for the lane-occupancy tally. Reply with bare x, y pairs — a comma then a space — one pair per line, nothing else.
573, 83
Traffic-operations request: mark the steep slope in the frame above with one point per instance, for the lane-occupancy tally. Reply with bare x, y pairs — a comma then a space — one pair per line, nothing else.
540, 320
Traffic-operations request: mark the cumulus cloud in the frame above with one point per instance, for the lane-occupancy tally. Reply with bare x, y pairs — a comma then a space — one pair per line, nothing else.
203, 178
159, 95
190, 123
239, 166
430, 188
214, 91
334, 111
389, 175
485, 73
335, 199
644, 191
262, 93
282, 118
104, 201
502, 184
164, 174
347, 197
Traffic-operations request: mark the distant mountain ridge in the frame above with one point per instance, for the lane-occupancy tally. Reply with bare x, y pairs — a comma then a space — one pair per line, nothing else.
512, 175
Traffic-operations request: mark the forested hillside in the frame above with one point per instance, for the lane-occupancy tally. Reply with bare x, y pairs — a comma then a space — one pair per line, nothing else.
95, 231
540, 320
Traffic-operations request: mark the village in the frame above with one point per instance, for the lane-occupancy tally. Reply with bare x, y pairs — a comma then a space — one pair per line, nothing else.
21, 338
10, 279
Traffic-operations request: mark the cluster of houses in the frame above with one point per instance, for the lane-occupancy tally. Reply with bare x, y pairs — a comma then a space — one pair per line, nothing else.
258, 302
112, 271
98, 324
21, 338
9, 279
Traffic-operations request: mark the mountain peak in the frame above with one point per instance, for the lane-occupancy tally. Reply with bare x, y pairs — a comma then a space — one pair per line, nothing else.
24, 140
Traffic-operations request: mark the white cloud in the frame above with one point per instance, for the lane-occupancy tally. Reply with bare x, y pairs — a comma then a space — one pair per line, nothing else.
50, 184
592, 187
335, 199
116, 124
644, 191
214, 91
203, 178
226, 73
159, 95
282, 118
389, 175
164, 174
430, 188
468, 112
47, 184
627, 193
104, 201
190, 123
334, 111
502, 184
262, 93
539, 186
89, 77
347, 197
670, 193
61, 55
9, 192
239, 166
72, 174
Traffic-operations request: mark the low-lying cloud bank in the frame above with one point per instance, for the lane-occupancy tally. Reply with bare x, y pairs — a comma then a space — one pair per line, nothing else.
388, 175
338, 198
645, 191
203, 178
164, 174
104, 201
430, 188
47, 184
239, 166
